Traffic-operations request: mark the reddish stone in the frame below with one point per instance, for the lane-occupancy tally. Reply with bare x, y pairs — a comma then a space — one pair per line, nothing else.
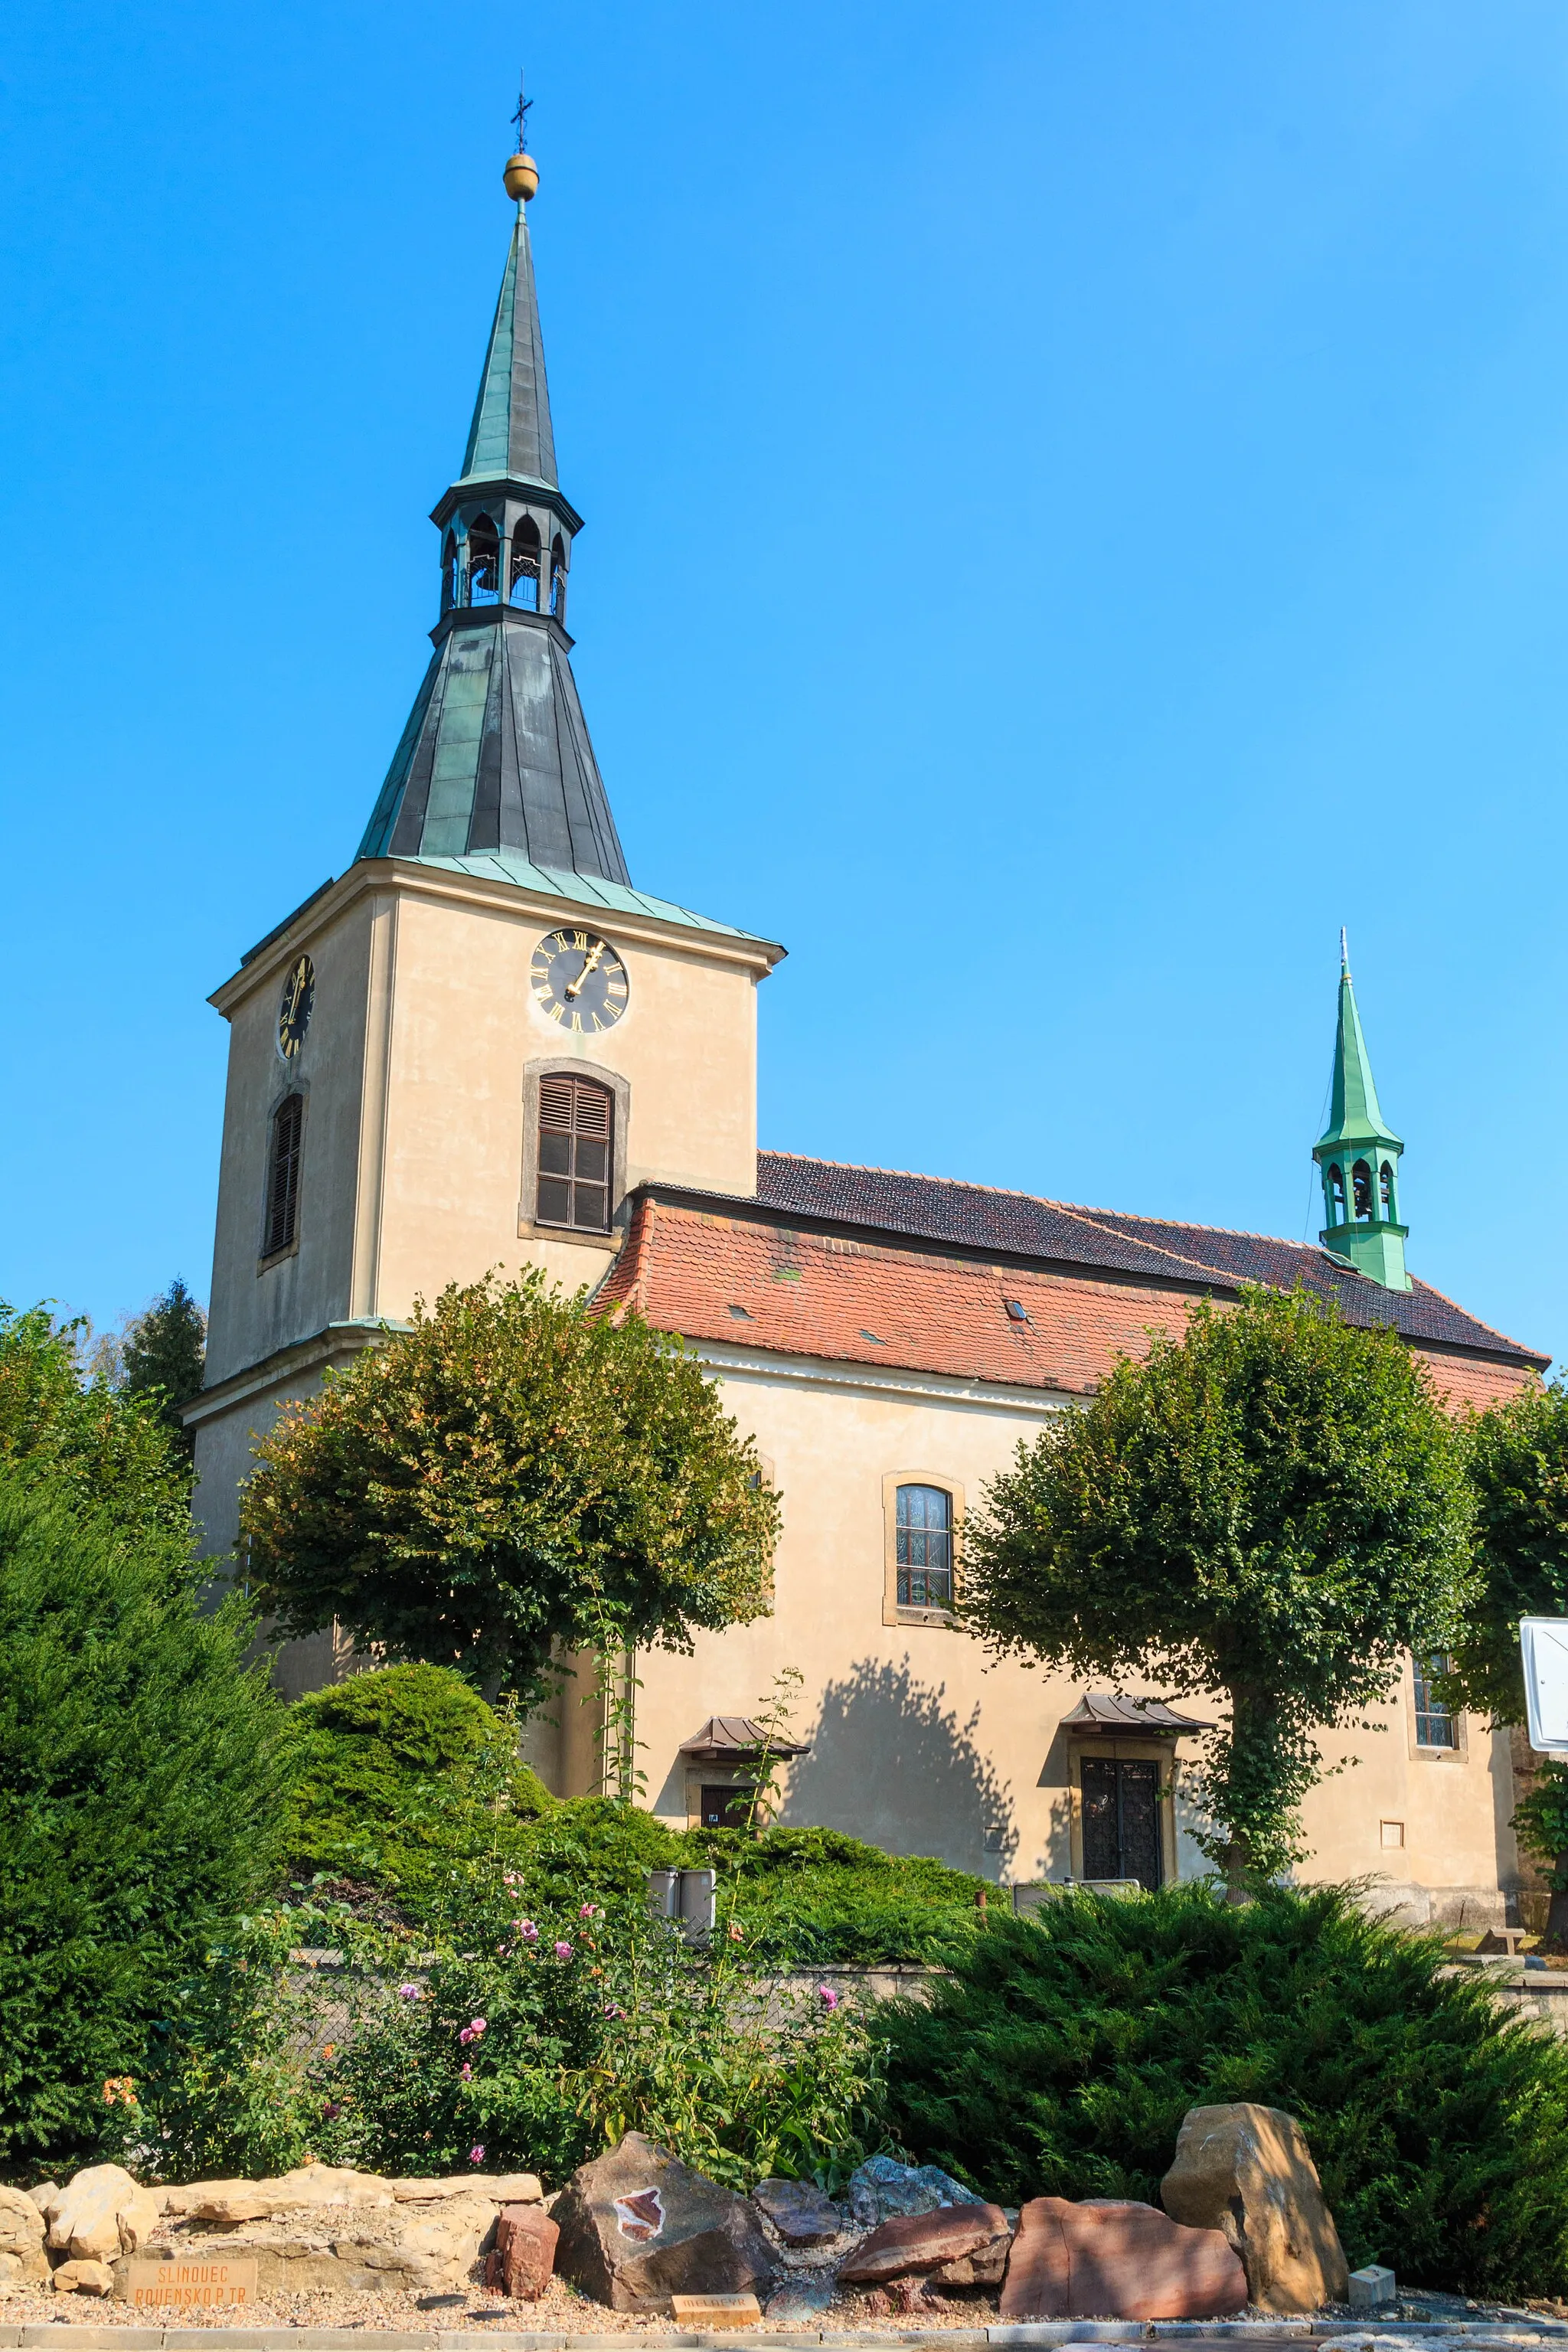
913, 2242
1108, 2259
525, 2250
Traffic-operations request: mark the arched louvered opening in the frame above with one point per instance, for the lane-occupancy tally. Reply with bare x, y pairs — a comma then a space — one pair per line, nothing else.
1360, 1183
524, 587
558, 578
484, 563
281, 1222
1387, 1209
576, 1153
448, 574
1336, 1194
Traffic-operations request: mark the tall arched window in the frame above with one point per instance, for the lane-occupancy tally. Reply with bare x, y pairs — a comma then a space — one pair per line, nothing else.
923, 1535
448, 574
484, 563
576, 1153
283, 1176
1385, 1192
1361, 1181
525, 549
558, 579
1336, 1195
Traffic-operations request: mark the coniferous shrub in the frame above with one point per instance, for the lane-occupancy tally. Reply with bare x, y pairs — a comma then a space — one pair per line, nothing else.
138, 1783
1061, 2054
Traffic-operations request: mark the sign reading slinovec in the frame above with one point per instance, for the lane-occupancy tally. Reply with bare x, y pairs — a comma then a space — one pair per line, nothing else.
186, 2286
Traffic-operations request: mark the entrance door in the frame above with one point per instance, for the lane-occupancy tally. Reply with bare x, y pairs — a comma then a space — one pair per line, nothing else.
1121, 1820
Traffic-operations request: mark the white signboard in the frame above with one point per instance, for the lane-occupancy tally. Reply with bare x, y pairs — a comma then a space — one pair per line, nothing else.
1543, 1650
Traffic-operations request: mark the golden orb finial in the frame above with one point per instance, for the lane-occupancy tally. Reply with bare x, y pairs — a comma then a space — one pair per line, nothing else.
521, 177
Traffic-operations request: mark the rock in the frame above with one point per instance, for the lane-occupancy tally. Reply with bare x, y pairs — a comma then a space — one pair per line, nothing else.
800, 2211
376, 2246
502, 2188
84, 2277
101, 2214
1110, 2258
44, 2195
800, 2302
311, 2187
637, 2227
912, 2244
1247, 2170
881, 2189
524, 2256
22, 2256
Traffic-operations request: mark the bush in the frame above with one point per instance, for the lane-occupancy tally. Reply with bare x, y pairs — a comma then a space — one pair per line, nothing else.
103, 1450
138, 1777
1060, 2057
402, 1775
407, 1782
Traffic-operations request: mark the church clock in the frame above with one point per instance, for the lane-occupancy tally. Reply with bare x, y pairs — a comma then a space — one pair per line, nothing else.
579, 981
294, 1012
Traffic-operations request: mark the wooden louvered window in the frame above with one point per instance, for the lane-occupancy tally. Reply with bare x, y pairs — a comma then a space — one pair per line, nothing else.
283, 1175
576, 1153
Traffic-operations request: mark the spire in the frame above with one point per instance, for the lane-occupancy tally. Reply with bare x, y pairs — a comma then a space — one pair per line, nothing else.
1358, 1156
496, 755
511, 437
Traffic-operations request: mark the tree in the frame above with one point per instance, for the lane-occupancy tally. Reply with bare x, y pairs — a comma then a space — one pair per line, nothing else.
83, 1438
517, 1474
1519, 1469
1273, 1506
162, 1356
140, 1776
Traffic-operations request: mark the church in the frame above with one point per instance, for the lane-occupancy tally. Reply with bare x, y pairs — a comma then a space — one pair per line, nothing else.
482, 1046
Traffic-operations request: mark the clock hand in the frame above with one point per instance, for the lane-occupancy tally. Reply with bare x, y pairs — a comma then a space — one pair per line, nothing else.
595, 954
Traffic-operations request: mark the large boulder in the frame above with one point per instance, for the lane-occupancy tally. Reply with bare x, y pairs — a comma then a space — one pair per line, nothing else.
347, 2234
637, 2226
22, 2257
967, 2244
101, 2214
84, 2277
1110, 2258
803, 2214
1247, 2170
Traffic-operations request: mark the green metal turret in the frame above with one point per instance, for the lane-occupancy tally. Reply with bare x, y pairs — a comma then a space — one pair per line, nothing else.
1358, 1158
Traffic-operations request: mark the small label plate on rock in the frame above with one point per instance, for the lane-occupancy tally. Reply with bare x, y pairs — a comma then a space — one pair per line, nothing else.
716, 2310
188, 2287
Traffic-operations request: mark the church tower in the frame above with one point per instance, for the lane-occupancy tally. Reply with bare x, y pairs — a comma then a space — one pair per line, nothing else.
1358, 1157
466, 1051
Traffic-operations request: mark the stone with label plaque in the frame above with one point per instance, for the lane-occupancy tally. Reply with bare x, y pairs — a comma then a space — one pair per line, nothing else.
715, 2310
196, 2285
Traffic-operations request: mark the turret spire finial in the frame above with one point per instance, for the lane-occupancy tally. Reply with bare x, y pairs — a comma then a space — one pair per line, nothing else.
1344, 953
521, 176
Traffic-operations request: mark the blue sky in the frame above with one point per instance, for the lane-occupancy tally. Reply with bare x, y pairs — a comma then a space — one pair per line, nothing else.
1078, 509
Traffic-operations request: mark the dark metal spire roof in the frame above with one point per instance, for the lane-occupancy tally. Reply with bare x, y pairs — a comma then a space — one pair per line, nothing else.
496, 754
511, 437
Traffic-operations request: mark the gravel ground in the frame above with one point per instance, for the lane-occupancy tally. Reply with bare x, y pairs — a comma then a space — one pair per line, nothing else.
561, 2310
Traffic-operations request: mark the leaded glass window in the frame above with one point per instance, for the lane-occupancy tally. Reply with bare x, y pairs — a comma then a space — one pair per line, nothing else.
924, 1541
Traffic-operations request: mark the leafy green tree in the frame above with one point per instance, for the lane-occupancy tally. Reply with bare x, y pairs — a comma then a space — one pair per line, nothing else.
1273, 1506
517, 1474
139, 1782
1518, 1468
1059, 2055
107, 1450
162, 1356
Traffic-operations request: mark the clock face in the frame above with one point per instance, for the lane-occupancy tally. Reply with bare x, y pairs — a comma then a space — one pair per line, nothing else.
294, 1012
579, 981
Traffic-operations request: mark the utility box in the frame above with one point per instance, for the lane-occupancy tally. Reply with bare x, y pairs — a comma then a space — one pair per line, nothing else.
690, 1897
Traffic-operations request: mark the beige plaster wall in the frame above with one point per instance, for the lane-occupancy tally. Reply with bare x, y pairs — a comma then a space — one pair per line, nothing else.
922, 1746
412, 1069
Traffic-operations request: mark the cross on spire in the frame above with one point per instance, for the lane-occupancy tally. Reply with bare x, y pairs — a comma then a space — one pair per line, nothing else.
524, 108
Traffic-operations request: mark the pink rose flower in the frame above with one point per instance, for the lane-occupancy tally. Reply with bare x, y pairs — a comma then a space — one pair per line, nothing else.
412, 1991
589, 1911
476, 2154
562, 1951
467, 2074
528, 1931
828, 1997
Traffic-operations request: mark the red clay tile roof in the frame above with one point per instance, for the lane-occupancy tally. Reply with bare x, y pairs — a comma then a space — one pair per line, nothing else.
973, 1216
